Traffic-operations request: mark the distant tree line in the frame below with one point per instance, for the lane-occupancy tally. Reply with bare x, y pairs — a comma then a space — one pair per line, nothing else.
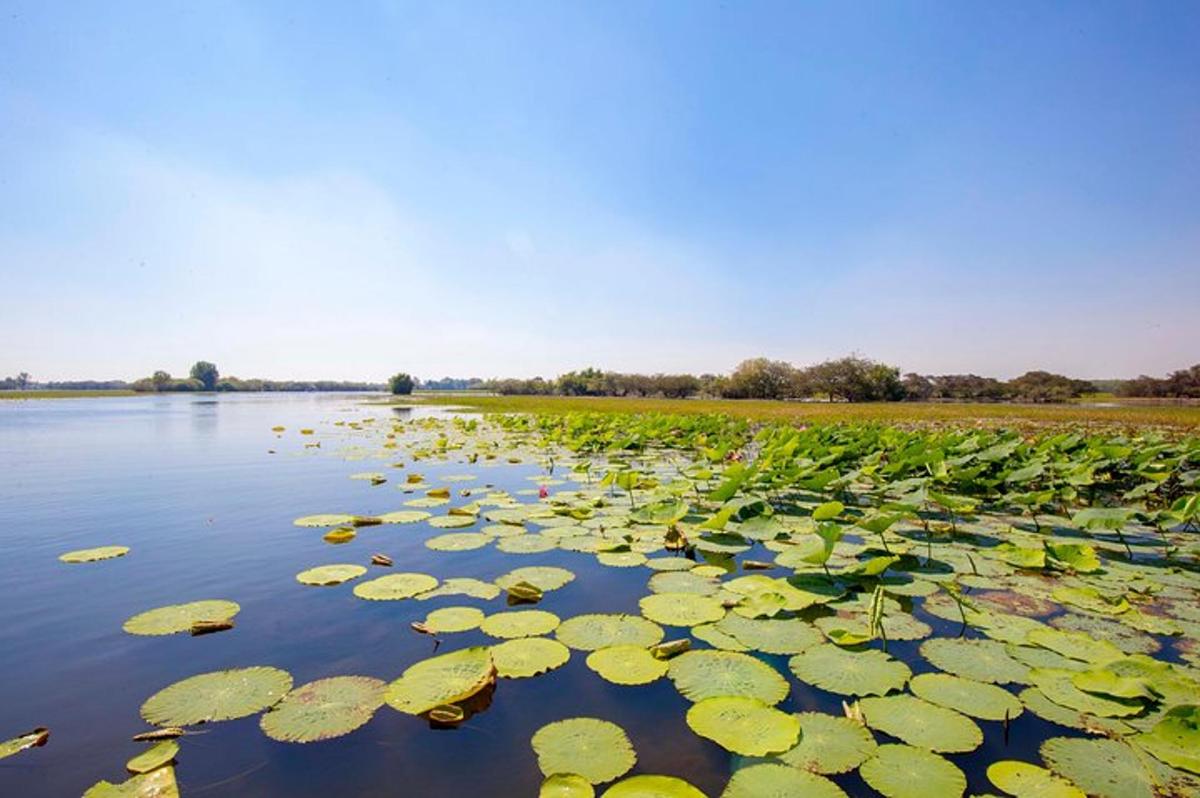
1181, 384
204, 376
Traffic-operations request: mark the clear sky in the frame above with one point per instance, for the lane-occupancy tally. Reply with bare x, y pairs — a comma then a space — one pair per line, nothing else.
344, 190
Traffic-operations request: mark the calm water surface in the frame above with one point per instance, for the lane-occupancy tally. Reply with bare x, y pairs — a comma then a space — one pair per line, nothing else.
191, 485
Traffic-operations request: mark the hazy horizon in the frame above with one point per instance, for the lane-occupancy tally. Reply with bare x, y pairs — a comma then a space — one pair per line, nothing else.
308, 192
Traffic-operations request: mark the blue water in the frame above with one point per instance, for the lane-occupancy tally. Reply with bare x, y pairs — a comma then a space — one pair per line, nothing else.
190, 483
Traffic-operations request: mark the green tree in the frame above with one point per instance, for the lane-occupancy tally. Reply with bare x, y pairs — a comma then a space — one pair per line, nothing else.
161, 380
760, 378
401, 384
206, 373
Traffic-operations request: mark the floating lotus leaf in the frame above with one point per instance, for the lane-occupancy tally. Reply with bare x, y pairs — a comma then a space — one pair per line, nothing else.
626, 664
1023, 779
1106, 683
595, 749
158, 783
1075, 645
652, 786
153, 757
179, 617
219, 695
901, 771
683, 582
977, 699
681, 609
330, 574
1103, 768
922, 724
1057, 685
453, 619
1079, 557
566, 785
597, 630
705, 674
92, 555
328, 519
1035, 657
830, 744
462, 586
528, 656
981, 660
444, 679
16, 745
526, 544
1036, 702
620, 559
394, 587
1117, 632
519, 623
669, 564
1176, 738
744, 725
428, 501
779, 781
453, 521
790, 636
404, 517
543, 577
458, 541
323, 709
847, 672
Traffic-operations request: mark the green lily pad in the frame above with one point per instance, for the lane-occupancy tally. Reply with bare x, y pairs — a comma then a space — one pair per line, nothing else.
595, 749
706, 674
1057, 685
848, 672
652, 786
404, 517
453, 619
977, 699
783, 636
1103, 768
922, 724
621, 559
779, 781
528, 656
902, 771
566, 785
830, 744
1075, 645
153, 757
394, 587
1176, 738
462, 586
626, 664
455, 521
681, 609
93, 555
327, 519
981, 660
744, 725
444, 679
219, 695
179, 617
683, 582
16, 745
526, 544
711, 633
594, 631
1022, 779
330, 574
543, 577
458, 541
324, 709
519, 623
1036, 702
158, 783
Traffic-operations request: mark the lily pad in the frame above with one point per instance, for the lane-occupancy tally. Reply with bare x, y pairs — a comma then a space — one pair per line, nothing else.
526, 544
158, 783
744, 725
153, 757
830, 744
528, 656
462, 586
922, 724
626, 664
594, 631
519, 623
901, 771
394, 587
850, 672
652, 786
543, 577
595, 749
16, 745
324, 709
681, 609
566, 785
779, 781
977, 699
93, 555
458, 541
219, 695
1103, 768
179, 617
782, 636
981, 660
1176, 738
444, 679
453, 619
706, 674
1023, 779
327, 519
404, 517
330, 574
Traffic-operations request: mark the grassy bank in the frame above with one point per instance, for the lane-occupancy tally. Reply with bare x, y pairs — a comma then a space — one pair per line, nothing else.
62, 394
890, 412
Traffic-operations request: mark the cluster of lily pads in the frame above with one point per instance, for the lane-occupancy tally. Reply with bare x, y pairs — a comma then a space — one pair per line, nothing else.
1063, 564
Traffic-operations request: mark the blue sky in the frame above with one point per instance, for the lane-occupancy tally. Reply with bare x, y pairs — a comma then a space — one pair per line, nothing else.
303, 189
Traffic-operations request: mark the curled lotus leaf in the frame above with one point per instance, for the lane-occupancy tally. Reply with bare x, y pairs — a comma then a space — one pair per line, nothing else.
779, 781
444, 679
744, 725
153, 757
681, 609
324, 709
981, 660
706, 673
595, 749
33, 739
566, 785
977, 699
93, 555
394, 587
528, 656
519, 623
458, 541
1102, 767
830, 744
850, 672
219, 695
593, 631
543, 577
922, 724
902, 771
180, 617
158, 783
1022, 778
324, 575
652, 786
447, 620
627, 664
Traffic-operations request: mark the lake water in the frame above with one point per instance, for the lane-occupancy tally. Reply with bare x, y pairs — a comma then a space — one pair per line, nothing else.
190, 483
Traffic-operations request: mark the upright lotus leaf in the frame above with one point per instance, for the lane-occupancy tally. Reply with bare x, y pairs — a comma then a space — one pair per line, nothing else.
1176, 738
180, 617
922, 724
444, 679
681, 609
1078, 557
744, 725
543, 577
594, 631
462, 586
779, 781
324, 709
519, 623
94, 555
327, 519
566, 785
453, 619
1023, 779
153, 757
528, 656
627, 664
977, 699
325, 575
830, 744
1102, 768
652, 786
705, 674
849, 672
219, 695
395, 587
158, 783
902, 771
828, 511
16, 745
981, 660
595, 749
